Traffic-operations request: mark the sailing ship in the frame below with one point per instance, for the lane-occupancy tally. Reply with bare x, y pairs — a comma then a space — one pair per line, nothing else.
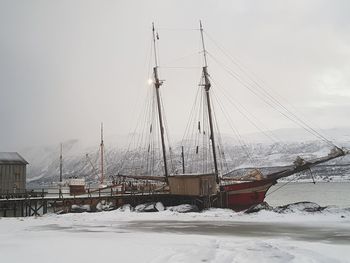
234, 193
77, 185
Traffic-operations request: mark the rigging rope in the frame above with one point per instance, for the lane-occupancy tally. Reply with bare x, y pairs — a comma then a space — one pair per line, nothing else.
268, 95
176, 29
283, 185
190, 129
234, 129
270, 103
131, 140
171, 67
228, 96
167, 134
220, 145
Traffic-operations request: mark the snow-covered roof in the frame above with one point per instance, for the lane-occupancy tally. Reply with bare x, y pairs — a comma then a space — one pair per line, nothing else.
11, 158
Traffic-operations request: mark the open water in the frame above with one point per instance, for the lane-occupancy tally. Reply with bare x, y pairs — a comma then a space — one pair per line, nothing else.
324, 194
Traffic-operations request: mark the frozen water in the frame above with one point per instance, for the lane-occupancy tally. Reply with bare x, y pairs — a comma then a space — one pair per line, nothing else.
216, 235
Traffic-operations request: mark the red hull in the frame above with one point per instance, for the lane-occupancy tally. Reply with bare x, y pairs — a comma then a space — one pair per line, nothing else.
240, 196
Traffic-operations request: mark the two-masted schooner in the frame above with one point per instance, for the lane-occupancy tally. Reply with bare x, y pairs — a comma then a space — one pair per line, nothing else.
235, 193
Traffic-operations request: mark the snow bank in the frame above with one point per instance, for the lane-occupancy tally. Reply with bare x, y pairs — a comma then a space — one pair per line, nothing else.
215, 235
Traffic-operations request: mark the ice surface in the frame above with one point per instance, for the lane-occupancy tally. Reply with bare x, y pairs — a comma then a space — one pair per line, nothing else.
216, 235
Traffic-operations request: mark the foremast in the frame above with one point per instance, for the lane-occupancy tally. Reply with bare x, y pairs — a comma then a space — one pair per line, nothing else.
157, 84
207, 86
101, 157
61, 162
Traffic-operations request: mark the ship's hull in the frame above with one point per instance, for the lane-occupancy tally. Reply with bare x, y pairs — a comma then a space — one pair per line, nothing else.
242, 195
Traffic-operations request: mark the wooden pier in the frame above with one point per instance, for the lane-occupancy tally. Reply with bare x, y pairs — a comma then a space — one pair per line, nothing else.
37, 203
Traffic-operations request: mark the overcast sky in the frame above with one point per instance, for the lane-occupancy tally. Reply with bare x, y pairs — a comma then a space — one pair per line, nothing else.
65, 66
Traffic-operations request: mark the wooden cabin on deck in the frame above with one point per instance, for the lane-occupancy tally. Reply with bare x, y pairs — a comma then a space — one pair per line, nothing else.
193, 184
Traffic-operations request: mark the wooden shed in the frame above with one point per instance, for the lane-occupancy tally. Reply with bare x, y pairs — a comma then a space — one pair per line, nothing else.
192, 184
12, 172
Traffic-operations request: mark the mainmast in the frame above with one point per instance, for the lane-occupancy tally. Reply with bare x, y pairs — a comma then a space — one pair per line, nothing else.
207, 86
157, 84
102, 151
61, 168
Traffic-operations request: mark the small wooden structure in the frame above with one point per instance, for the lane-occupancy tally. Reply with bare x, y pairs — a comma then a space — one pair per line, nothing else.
12, 172
193, 184
76, 186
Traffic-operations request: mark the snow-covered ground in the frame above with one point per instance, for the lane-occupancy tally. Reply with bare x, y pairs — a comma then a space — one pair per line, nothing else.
216, 235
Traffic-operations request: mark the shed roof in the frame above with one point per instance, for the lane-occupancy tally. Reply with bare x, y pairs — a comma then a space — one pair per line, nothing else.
11, 158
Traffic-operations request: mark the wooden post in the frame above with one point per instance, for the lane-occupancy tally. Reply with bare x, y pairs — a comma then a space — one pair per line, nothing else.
22, 212
183, 159
44, 207
36, 208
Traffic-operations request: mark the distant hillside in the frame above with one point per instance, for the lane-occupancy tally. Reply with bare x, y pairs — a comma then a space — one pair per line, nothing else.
44, 161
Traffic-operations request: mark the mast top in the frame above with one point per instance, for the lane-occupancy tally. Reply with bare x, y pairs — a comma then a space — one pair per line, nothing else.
207, 84
101, 132
204, 50
155, 36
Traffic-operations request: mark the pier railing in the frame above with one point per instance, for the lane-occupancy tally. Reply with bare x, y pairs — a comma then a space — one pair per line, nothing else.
24, 194
37, 202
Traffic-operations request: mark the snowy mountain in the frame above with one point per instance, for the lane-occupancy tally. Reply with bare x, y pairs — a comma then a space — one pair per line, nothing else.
80, 159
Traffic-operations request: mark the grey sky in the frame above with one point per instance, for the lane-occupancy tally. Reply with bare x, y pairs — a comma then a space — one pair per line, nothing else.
65, 66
